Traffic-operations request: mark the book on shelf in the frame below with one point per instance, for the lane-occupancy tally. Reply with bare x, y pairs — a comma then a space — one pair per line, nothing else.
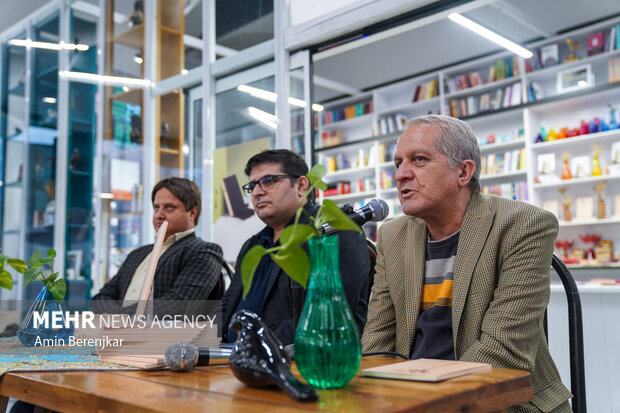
614, 69
596, 43
485, 102
550, 55
431, 370
497, 99
507, 97
611, 40
515, 94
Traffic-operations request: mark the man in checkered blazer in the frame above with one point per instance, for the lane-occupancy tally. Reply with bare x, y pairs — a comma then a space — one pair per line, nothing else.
463, 275
188, 268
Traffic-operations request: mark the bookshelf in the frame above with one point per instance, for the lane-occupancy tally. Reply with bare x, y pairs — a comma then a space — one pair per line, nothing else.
506, 100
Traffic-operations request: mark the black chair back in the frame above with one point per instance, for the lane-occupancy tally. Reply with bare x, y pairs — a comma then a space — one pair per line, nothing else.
575, 336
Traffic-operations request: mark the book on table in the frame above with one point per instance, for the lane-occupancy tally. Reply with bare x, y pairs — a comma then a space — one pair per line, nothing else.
431, 370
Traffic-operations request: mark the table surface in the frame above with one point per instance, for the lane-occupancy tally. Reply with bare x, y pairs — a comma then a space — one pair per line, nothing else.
216, 389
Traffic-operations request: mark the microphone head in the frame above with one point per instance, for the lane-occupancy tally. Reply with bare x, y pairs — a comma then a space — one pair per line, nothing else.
379, 208
181, 356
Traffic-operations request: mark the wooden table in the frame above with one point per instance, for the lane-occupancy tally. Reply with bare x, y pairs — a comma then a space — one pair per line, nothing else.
216, 389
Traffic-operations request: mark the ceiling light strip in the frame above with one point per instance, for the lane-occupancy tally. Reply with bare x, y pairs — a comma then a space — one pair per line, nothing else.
490, 35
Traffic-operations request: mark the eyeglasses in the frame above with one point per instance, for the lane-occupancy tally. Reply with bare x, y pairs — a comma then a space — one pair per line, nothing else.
265, 183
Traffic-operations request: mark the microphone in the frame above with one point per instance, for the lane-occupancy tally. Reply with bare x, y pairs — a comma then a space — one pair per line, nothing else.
375, 210
185, 356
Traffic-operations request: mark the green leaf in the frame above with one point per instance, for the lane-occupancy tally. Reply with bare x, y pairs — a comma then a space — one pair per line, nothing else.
334, 216
248, 266
46, 261
35, 259
6, 281
51, 253
295, 263
3, 258
18, 265
30, 275
295, 234
58, 289
315, 176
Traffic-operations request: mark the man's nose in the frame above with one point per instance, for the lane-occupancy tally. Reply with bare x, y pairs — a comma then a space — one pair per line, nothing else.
403, 173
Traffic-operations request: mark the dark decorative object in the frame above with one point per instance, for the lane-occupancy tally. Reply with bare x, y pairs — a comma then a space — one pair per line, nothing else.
258, 358
10, 330
135, 135
74, 162
137, 17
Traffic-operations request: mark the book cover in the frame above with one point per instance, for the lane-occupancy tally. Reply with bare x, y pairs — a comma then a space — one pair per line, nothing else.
596, 43
425, 370
550, 55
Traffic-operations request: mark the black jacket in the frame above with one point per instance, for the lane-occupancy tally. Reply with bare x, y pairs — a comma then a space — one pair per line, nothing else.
284, 298
189, 270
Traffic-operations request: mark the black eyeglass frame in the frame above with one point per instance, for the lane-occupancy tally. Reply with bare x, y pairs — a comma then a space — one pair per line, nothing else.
249, 187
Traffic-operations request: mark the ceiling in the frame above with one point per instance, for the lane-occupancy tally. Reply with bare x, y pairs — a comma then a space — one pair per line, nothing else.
438, 42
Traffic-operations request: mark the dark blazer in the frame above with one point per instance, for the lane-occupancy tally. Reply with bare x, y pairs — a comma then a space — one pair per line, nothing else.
285, 298
189, 270
499, 295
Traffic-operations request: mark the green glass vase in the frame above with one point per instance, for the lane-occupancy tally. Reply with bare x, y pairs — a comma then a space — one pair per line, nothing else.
327, 343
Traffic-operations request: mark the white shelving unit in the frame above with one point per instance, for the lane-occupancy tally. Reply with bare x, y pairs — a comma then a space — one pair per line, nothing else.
514, 127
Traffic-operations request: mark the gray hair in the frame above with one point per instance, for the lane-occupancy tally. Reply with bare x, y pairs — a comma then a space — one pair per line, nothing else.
456, 140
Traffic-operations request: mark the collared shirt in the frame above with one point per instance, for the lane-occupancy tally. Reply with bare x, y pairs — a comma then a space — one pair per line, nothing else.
135, 287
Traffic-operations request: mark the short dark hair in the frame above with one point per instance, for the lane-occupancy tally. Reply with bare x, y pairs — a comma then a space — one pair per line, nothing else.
187, 191
290, 162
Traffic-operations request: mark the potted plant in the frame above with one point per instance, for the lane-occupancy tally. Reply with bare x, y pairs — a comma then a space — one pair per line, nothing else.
327, 343
49, 298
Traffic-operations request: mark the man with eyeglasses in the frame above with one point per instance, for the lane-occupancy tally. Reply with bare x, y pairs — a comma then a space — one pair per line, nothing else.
277, 187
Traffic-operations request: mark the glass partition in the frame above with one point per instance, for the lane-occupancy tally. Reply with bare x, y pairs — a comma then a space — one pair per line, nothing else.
81, 143
245, 125
12, 135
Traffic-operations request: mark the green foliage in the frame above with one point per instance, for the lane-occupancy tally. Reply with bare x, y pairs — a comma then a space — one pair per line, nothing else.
289, 255
33, 270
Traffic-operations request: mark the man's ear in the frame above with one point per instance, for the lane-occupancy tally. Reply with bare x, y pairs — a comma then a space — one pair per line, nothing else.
193, 212
466, 171
302, 186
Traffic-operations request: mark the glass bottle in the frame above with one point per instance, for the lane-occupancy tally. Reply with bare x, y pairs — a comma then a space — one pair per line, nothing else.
327, 343
596, 167
45, 334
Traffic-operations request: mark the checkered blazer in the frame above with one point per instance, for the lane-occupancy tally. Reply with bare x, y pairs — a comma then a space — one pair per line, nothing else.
188, 270
500, 291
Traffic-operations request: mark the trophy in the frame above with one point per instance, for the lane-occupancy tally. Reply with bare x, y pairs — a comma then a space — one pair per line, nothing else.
596, 166
566, 204
601, 202
572, 45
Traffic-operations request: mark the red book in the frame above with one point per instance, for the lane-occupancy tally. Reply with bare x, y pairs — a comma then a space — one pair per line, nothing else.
596, 43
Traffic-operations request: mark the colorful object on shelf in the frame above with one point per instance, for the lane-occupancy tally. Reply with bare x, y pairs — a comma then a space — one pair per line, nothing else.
596, 166
563, 132
566, 202
613, 124
591, 241
552, 136
566, 173
543, 134
599, 188
585, 129
564, 246
539, 139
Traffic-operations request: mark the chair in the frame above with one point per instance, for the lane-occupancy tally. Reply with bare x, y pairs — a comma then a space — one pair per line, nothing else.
220, 287
372, 253
575, 336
